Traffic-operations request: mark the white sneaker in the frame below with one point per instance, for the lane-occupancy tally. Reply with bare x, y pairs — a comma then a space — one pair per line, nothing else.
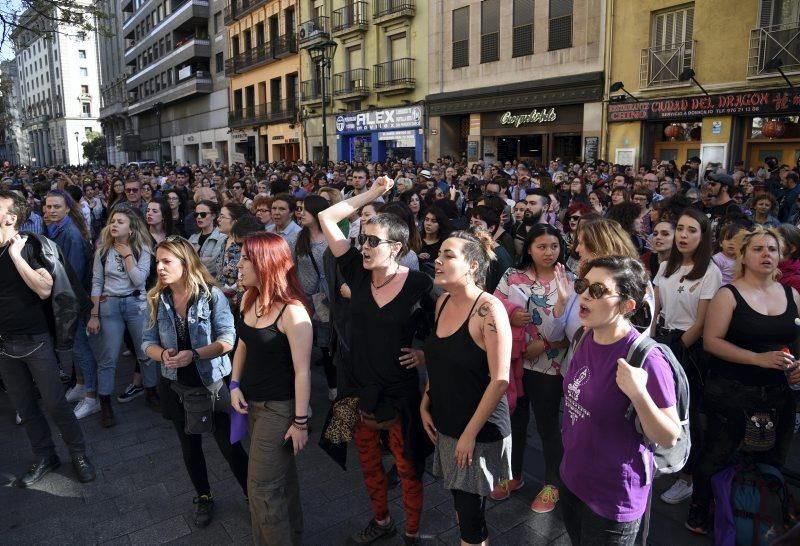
86, 407
679, 492
76, 393
18, 419
126, 352
332, 394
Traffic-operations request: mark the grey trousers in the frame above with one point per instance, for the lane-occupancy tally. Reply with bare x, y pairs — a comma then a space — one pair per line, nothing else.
275, 511
25, 360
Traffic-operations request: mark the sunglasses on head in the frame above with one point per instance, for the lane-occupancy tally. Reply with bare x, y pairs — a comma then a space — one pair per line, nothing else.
372, 240
596, 289
201, 214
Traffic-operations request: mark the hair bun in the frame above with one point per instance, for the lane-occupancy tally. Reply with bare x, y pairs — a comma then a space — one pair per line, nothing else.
486, 242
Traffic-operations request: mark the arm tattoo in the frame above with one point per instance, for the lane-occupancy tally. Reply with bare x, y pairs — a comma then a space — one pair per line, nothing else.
484, 310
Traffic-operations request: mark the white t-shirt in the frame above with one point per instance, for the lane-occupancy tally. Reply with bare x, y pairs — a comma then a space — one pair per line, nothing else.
681, 297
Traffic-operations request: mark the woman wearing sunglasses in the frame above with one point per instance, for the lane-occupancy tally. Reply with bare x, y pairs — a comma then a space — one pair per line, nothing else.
189, 331
607, 465
381, 370
209, 242
685, 285
529, 294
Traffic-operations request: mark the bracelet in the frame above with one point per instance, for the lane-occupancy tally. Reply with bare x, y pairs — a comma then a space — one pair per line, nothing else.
162, 354
127, 256
300, 421
95, 315
300, 427
301, 416
234, 385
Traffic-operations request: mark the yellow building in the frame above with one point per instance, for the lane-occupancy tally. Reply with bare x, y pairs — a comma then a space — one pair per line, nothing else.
376, 83
263, 67
701, 79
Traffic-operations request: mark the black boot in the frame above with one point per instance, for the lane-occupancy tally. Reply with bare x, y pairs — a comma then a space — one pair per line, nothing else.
83, 468
204, 510
38, 470
106, 413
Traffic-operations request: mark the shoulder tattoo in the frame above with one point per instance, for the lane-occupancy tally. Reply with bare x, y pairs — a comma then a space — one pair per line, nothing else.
486, 312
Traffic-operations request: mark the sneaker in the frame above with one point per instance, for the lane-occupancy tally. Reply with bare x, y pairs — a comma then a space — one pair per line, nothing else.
83, 468
86, 407
697, 520
374, 532
131, 391
18, 419
204, 510
332, 394
546, 500
504, 489
126, 352
679, 492
76, 393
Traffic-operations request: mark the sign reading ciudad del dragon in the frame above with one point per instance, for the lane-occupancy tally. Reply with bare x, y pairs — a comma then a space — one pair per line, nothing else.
769, 102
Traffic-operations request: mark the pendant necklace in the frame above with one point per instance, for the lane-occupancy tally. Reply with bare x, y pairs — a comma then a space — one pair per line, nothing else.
387, 281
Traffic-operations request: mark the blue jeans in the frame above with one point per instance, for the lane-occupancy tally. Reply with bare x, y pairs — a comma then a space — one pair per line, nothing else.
83, 356
115, 315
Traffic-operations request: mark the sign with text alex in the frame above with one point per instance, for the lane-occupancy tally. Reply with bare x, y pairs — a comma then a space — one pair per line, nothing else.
408, 117
752, 103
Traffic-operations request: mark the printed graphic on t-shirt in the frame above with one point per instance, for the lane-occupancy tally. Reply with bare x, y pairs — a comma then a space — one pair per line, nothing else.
574, 408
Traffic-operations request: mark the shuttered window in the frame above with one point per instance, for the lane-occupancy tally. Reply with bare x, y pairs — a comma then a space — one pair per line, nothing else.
461, 37
490, 30
523, 28
560, 25
673, 27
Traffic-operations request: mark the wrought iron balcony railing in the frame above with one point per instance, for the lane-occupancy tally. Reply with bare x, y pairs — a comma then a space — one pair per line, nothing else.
661, 66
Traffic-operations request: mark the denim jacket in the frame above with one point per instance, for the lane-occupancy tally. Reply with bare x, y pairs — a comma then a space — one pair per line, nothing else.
212, 247
207, 322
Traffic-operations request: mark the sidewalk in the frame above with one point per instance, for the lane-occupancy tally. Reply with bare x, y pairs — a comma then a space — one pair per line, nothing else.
142, 494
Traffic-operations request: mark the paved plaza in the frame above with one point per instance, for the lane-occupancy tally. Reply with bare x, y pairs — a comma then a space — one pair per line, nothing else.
143, 495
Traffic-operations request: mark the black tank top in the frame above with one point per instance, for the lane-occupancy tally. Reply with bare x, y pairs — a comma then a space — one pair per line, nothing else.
759, 333
268, 369
458, 370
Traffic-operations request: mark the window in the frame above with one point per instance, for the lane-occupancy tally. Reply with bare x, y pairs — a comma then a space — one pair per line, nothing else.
84, 71
220, 62
87, 109
671, 47
560, 27
84, 89
490, 30
87, 129
461, 37
523, 28
217, 21
81, 53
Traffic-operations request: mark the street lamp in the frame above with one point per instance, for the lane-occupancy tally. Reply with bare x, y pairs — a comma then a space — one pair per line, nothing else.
322, 55
157, 111
78, 148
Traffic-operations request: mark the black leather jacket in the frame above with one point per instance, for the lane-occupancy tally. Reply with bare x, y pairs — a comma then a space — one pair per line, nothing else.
68, 299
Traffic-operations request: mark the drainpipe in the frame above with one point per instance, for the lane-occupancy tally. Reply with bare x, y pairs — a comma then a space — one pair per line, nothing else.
609, 34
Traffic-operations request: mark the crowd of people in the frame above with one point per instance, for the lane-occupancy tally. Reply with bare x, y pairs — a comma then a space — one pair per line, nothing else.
443, 301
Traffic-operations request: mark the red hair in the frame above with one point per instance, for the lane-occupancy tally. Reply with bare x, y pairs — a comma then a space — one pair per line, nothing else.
274, 269
581, 208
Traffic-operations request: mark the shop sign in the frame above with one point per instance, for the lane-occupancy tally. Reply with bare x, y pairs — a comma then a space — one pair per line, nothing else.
278, 137
772, 102
237, 135
590, 145
395, 135
534, 117
408, 117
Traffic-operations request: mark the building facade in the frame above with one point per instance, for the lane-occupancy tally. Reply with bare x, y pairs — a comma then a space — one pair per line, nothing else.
516, 79
13, 144
691, 94
113, 117
177, 90
263, 66
59, 93
376, 83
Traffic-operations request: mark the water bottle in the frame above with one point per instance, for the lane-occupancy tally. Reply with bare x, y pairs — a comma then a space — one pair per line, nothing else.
788, 371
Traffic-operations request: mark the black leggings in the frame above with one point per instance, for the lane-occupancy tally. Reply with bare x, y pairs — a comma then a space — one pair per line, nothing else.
471, 509
328, 365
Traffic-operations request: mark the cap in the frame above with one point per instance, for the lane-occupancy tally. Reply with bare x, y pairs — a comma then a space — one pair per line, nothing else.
694, 159
426, 174
722, 178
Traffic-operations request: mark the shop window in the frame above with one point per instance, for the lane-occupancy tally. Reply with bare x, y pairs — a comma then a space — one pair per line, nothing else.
560, 25
461, 37
522, 41
490, 30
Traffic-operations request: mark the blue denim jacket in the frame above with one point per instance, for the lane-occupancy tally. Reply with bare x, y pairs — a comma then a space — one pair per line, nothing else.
205, 327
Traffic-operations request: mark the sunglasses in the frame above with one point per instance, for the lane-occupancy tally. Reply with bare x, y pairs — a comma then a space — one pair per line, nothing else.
131, 190
201, 214
596, 290
574, 218
372, 240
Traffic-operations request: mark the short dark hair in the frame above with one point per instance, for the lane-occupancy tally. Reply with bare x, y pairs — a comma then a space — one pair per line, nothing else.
541, 193
628, 274
286, 198
19, 206
396, 229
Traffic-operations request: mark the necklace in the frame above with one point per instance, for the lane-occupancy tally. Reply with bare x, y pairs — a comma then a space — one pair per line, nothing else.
260, 313
384, 283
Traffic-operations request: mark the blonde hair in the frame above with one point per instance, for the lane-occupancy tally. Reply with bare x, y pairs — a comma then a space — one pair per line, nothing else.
139, 239
195, 275
603, 237
334, 194
743, 239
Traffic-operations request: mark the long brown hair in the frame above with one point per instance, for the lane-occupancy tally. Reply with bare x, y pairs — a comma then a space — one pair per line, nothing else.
702, 254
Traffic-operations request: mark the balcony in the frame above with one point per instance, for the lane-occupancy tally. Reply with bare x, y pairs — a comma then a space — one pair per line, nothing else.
188, 13
284, 46
191, 48
198, 82
311, 92
775, 42
272, 112
239, 8
281, 110
314, 31
349, 20
394, 76
33, 120
385, 11
662, 65
351, 84
261, 54
85, 97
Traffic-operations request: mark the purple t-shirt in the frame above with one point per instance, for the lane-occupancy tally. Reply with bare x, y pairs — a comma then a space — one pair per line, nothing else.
606, 463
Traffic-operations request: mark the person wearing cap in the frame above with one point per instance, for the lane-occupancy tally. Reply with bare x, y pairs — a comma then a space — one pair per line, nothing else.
425, 177
791, 190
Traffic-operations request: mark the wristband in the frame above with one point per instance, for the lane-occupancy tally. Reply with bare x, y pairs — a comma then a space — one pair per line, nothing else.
162, 354
234, 385
127, 256
96, 315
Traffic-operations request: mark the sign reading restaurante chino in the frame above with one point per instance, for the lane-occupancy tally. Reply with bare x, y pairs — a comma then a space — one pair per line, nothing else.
752, 103
529, 118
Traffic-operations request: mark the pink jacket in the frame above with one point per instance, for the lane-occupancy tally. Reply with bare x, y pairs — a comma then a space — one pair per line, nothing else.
517, 353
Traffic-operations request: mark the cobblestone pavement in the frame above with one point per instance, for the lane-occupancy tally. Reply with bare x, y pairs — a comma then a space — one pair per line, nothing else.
143, 495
